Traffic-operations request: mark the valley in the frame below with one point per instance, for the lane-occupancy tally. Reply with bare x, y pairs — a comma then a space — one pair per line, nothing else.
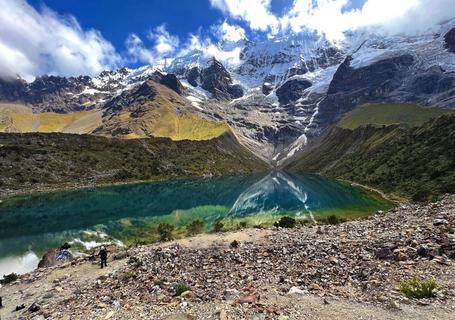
288, 175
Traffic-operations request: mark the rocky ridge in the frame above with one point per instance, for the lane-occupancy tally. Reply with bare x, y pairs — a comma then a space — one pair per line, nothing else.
311, 271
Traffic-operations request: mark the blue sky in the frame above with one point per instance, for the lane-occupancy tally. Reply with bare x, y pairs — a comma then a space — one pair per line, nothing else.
116, 19
73, 37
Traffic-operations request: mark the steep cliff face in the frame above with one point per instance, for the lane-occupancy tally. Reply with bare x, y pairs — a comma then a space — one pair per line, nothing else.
450, 40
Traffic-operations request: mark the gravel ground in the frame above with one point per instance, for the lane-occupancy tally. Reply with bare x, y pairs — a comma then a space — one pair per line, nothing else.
346, 271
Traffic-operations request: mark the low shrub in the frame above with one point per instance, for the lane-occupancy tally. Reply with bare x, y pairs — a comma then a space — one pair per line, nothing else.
218, 226
234, 244
286, 222
418, 289
332, 219
165, 231
242, 224
181, 288
195, 227
8, 278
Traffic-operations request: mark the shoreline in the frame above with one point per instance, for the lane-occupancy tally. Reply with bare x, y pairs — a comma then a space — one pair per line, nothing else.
305, 272
393, 199
5, 196
76, 187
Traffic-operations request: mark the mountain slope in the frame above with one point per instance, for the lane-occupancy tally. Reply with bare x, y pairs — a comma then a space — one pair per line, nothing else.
20, 119
415, 161
152, 109
381, 114
277, 95
36, 161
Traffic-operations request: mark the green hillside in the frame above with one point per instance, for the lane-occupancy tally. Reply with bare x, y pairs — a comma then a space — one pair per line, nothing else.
416, 162
389, 114
36, 161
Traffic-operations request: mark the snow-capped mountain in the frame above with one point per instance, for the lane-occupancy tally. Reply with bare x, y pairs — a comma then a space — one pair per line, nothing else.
276, 94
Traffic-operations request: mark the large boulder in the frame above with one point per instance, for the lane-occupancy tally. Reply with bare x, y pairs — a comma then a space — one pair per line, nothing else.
55, 257
292, 90
236, 91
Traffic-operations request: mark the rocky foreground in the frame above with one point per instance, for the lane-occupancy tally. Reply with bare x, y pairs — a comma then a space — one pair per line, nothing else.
346, 271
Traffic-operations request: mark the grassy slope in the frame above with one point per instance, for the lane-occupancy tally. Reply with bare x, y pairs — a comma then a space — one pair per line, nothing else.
39, 161
163, 115
388, 114
159, 119
417, 161
17, 118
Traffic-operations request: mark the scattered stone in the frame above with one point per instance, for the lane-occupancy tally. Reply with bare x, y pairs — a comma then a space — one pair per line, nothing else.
440, 222
20, 307
34, 307
314, 286
295, 290
384, 253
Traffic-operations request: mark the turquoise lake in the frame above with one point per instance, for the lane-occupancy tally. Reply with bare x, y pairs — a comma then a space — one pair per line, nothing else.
125, 214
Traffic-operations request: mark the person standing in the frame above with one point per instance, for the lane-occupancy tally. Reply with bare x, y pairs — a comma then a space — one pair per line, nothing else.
103, 256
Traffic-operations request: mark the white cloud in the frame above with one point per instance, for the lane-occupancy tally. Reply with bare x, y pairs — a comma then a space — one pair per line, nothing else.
255, 12
330, 17
228, 56
228, 32
164, 46
327, 16
34, 43
164, 42
137, 50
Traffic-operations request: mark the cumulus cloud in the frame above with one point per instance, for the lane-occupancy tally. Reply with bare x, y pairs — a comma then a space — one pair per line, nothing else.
34, 43
164, 41
328, 17
256, 12
228, 55
137, 50
163, 46
331, 18
227, 32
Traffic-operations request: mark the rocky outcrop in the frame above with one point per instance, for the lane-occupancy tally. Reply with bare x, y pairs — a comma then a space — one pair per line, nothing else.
433, 81
194, 76
352, 87
384, 75
51, 93
145, 92
55, 257
12, 90
450, 40
292, 90
217, 80
169, 80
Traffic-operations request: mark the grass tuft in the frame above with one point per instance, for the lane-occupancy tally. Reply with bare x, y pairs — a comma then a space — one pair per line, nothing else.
418, 289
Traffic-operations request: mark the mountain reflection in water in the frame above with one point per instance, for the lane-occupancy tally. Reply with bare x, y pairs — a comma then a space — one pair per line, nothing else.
33, 224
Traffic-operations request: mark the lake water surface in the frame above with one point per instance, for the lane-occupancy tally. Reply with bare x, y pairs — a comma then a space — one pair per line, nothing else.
31, 225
